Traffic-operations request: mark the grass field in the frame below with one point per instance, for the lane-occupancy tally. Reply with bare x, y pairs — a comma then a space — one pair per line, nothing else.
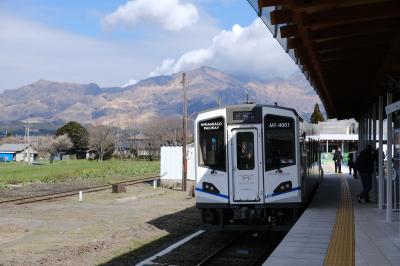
112, 170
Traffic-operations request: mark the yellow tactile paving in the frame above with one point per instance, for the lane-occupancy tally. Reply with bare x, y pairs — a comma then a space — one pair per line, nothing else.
341, 249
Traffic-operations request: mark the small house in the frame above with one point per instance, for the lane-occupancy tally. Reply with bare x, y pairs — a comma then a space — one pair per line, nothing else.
17, 152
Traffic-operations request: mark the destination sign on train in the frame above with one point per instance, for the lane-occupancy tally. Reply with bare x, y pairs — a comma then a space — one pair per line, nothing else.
244, 115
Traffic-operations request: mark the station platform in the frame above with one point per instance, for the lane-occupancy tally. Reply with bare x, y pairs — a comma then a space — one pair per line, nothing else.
337, 230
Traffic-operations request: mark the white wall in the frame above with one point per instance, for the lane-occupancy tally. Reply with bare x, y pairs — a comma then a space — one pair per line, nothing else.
171, 162
191, 162
19, 157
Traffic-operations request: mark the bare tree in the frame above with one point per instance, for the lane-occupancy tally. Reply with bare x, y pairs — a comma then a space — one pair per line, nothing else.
41, 145
164, 130
13, 139
102, 140
62, 143
51, 145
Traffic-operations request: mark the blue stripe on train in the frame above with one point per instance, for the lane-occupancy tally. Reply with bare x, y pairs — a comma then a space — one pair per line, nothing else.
218, 195
267, 196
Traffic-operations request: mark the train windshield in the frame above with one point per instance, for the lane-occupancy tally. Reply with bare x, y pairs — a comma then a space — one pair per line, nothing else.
245, 150
279, 142
212, 143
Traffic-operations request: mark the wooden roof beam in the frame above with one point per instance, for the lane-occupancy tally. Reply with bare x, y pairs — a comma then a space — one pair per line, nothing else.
267, 3
358, 58
281, 16
342, 15
353, 70
310, 5
318, 76
390, 57
354, 51
356, 29
294, 43
325, 49
395, 67
288, 31
359, 41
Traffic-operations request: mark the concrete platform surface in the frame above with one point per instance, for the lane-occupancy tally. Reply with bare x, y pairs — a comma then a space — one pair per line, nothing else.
377, 242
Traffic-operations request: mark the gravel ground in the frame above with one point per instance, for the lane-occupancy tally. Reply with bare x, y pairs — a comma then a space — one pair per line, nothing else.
107, 229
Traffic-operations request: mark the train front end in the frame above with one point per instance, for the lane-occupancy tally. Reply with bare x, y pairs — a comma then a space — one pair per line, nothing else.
248, 175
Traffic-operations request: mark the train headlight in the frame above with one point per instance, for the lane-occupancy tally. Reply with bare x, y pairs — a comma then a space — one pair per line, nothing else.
283, 187
208, 187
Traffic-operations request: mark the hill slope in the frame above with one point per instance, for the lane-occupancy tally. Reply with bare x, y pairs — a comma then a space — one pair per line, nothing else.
156, 96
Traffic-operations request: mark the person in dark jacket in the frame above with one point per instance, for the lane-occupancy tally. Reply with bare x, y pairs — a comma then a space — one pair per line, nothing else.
350, 160
337, 158
365, 167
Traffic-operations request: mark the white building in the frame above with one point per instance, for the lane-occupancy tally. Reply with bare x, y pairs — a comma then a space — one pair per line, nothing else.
17, 152
171, 165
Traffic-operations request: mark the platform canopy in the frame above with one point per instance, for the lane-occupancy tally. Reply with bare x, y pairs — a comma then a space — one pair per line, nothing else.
348, 49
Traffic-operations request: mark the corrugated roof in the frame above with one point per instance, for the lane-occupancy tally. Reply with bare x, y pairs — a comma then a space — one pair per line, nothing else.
12, 147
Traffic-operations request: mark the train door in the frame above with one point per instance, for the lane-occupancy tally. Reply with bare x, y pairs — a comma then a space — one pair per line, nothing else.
246, 162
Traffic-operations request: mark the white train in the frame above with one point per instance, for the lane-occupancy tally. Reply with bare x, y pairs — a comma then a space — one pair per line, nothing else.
255, 167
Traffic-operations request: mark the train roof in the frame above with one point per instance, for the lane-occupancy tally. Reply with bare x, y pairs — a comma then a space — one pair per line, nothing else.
254, 105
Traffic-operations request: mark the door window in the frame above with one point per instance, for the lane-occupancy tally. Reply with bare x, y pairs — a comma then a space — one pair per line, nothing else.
212, 144
245, 150
279, 142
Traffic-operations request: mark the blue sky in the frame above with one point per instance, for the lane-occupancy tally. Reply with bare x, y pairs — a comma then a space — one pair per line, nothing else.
113, 42
83, 16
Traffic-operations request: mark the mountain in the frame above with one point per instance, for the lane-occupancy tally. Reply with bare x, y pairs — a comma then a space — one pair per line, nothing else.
46, 101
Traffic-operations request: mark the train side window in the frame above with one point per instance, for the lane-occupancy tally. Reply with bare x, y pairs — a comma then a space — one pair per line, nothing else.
212, 148
279, 142
245, 150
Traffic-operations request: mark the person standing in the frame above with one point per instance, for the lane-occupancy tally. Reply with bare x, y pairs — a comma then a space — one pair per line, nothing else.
351, 160
337, 158
355, 156
365, 167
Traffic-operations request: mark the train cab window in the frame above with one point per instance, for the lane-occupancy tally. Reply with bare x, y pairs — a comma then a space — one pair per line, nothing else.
245, 150
212, 144
279, 142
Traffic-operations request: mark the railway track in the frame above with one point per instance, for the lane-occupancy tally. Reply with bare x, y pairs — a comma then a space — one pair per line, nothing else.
56, 195
244, 250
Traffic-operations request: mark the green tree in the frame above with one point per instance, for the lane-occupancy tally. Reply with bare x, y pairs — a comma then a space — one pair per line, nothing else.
317, 116
78, 135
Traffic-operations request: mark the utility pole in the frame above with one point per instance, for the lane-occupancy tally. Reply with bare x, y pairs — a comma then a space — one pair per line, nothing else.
184, 142
27, 141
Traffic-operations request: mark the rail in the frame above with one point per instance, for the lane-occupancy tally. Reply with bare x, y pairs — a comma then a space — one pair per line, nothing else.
244, 250
56, 195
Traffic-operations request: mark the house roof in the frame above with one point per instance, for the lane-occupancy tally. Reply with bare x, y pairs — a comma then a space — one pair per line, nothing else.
12, 148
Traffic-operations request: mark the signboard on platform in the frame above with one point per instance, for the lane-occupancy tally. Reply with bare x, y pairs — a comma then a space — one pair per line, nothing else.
391, 108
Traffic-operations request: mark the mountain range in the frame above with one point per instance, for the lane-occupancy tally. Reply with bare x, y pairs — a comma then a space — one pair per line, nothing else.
44, 101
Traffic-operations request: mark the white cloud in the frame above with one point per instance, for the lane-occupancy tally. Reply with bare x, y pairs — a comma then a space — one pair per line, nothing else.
248, 51
31, 51
130, 83
172, 15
